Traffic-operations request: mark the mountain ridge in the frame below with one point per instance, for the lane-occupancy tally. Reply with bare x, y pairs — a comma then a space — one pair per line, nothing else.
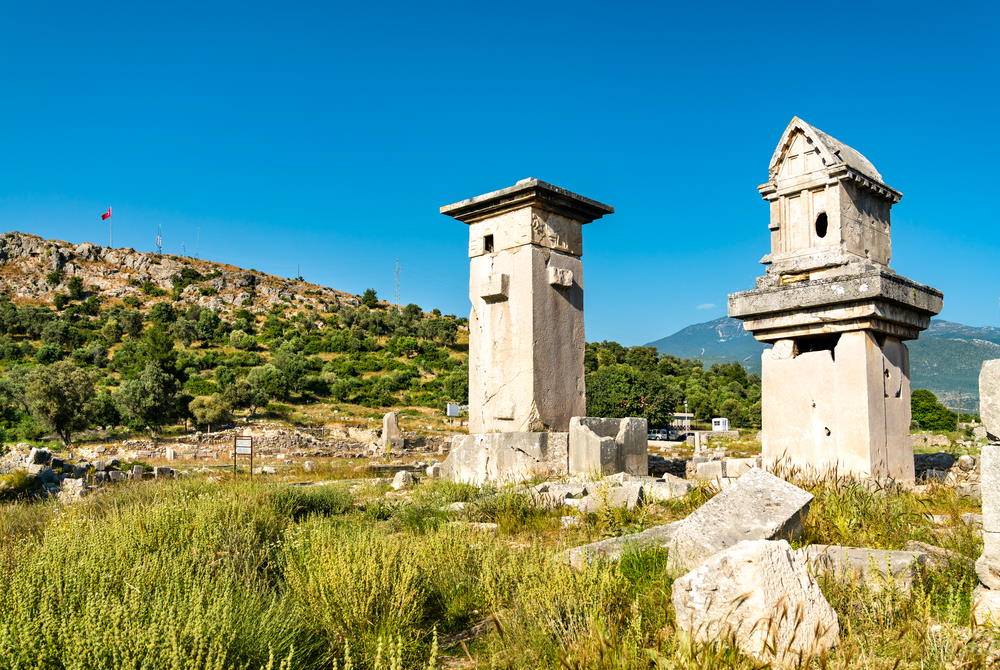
945, 359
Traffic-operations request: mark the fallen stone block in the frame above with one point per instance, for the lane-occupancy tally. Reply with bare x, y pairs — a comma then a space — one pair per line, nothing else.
602, 445
506, 457
938, 558
759, 506
612, 549
988, 565
669, 489
38, 456
138, 471
875, 568
737, 467
986, 606
434, 470
709, 470
162, 471
760, 596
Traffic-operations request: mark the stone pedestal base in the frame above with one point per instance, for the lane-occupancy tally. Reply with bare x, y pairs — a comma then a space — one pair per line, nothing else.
839, 401
607, 446
506, 457
593, 446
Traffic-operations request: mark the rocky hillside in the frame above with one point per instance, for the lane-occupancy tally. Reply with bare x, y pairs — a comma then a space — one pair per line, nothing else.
36, 269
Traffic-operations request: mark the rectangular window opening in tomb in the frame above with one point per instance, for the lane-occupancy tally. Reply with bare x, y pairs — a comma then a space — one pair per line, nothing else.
826, 342
488, 244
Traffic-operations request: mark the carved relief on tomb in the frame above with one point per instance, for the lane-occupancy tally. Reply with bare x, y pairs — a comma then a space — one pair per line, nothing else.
556, 232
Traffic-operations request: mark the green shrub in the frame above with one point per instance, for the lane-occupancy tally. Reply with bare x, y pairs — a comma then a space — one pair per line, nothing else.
296, 502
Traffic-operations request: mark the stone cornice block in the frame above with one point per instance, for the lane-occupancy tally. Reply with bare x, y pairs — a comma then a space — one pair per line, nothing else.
528, 193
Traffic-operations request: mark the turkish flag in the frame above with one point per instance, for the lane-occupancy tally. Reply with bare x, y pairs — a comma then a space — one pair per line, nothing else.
107, 214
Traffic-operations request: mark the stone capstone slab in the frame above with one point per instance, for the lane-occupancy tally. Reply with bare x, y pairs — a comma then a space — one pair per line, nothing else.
879, 300
989, 397
759, 506
605, 446
876, 568
759, 595
506, 457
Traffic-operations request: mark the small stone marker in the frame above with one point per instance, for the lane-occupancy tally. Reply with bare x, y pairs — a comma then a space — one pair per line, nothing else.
759, 506
309, 466
402, 480
138, 471
391, 438
760, 595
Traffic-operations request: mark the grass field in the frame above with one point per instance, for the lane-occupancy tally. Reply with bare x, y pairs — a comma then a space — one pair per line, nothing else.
201, 574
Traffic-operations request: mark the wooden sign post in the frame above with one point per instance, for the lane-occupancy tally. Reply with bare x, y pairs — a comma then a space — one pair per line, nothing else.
243, 446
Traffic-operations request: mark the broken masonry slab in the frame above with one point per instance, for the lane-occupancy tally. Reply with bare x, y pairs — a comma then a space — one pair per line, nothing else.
758, 506
759, 595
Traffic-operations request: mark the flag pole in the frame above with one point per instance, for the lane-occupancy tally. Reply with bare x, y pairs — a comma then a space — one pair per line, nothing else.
110, 235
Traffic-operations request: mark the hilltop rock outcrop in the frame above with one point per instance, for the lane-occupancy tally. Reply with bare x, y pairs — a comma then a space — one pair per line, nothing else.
33, 268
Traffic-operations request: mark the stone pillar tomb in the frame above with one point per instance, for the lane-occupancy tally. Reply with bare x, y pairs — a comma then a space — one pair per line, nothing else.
836, 383
526, 340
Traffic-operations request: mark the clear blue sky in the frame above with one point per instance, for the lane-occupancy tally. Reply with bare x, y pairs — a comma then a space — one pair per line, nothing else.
327, 135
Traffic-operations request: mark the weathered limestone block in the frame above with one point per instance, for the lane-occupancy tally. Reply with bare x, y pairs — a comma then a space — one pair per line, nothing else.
986, 606
670, 488
989, 397
607, 446
402, 480
391, 438
839, 408
876, 568
759, 595
988, 565
759, 506
506, 457
989, 485
612, 549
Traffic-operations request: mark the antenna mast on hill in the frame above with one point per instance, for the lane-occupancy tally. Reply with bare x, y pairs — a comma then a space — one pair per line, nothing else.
159, 240
396, 272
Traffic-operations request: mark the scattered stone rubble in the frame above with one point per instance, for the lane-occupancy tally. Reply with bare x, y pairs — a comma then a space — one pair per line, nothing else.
59, 477
271, 440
